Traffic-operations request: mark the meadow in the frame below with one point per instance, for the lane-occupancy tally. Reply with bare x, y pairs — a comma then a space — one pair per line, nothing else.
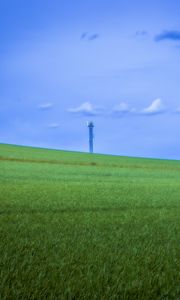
88, 226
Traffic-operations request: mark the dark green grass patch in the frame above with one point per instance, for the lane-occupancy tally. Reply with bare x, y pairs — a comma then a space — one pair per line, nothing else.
80, 226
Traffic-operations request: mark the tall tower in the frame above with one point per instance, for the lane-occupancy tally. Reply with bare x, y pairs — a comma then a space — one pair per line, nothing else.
91, 136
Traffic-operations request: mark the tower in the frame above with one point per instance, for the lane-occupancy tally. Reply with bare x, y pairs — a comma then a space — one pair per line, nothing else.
91, 136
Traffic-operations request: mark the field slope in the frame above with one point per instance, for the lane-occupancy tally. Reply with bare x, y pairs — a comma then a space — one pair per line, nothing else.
82, 226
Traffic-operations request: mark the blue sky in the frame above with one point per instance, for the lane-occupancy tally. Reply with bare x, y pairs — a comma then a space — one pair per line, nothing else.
114, 62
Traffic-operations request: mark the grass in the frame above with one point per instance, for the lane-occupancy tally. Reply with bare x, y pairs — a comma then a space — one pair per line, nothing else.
82, 226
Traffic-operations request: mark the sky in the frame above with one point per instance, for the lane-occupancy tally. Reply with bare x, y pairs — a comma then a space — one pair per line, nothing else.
113, 62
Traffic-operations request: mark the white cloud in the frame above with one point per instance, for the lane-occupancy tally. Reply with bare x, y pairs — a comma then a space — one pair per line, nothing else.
53, 125
86, 108
123, 107
154, 108
45, 106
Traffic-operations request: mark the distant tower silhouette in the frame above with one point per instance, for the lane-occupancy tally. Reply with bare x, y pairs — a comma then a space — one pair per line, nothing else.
91, 136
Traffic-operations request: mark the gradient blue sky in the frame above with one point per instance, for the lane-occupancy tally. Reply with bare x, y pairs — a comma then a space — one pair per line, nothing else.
114, 62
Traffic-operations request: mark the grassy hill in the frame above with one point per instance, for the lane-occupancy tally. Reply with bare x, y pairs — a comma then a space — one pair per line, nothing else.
83, 226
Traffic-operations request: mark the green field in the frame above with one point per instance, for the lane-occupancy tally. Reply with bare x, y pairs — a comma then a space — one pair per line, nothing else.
83, 226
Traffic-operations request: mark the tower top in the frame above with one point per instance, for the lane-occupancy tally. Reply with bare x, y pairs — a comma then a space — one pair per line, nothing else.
90, 124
